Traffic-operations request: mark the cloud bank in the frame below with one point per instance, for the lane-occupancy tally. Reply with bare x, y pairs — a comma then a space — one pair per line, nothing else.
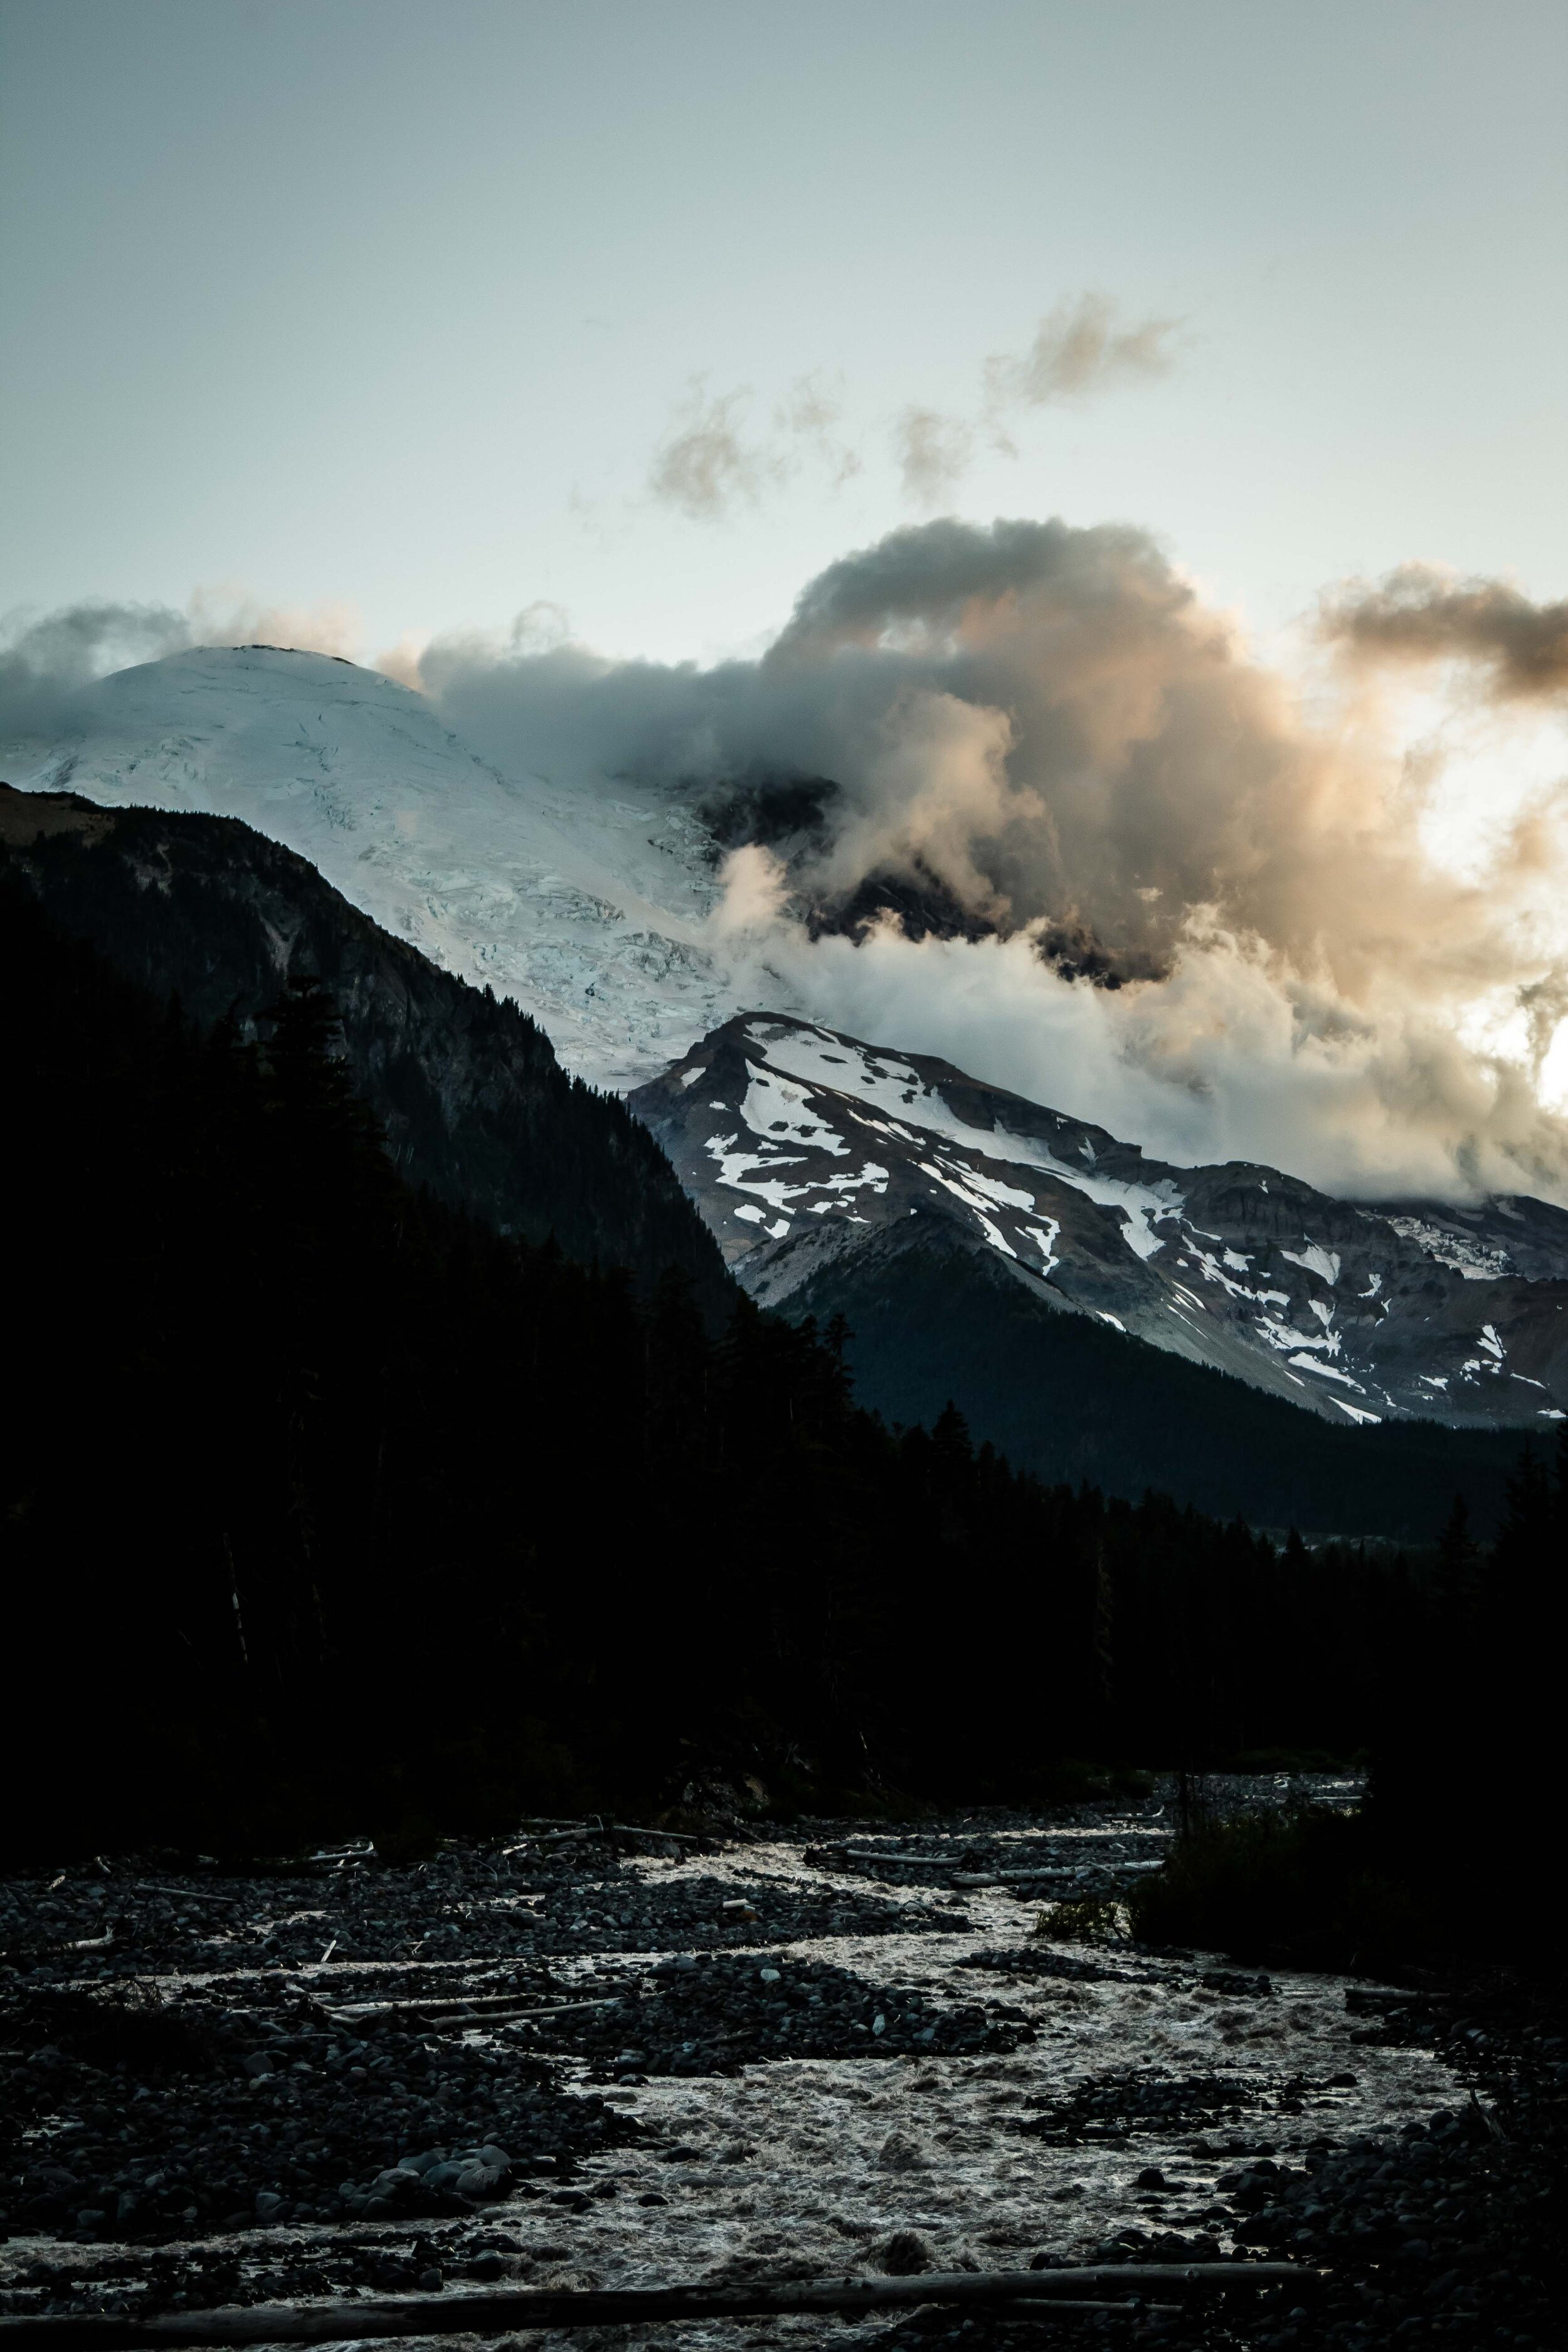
1017, 795
1042, 740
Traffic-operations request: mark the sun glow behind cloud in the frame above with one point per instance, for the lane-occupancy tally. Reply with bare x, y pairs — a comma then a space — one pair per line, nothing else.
1331, 909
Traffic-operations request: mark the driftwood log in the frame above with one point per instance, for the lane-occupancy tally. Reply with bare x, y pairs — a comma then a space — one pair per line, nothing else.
898, 1861
1007, 1877
578, 1830
1029, 1878
980, 1877
676, 1837
502, 2310
191, 1895
455, 2010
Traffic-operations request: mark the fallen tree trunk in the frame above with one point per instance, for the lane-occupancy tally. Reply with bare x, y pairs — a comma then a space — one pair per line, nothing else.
192, 1896
504, 2309
579, 1830
1002, 1877
988, 1877
480, 2011
898, 1861
676, 1837
1053, 1870
879, 1864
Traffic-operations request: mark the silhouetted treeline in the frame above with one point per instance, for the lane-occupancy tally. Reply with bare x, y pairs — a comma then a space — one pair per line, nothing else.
324, 1505
1456, 1854
1465, 1798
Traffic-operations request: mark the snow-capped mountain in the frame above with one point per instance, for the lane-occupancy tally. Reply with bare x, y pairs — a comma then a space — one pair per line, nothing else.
588, 904
814, 1156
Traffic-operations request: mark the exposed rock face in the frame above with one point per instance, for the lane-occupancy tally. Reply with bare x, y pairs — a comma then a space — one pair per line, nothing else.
468, 1089
824, 1164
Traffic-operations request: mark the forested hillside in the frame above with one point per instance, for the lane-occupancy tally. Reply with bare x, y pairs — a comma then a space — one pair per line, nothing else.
1066, 1397
471, 1100
324, 1504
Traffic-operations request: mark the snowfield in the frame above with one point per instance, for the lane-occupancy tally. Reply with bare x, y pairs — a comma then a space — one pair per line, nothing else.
588, 907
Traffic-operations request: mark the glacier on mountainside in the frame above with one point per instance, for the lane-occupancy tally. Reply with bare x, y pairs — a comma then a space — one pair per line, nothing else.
588, 904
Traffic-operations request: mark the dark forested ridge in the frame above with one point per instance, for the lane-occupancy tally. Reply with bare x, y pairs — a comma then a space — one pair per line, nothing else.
324, 1503
471, 1100
1064, 1397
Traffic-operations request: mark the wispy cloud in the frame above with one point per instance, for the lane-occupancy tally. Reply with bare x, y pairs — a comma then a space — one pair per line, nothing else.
933, 452
1080, 350
1421, 615
813, 407
709, 464
704, 468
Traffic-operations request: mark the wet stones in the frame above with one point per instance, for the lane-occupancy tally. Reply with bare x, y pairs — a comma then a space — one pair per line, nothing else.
478, 1902
718, 2013
311, 2137
1135, 2245
1405, 2020
1114, 2106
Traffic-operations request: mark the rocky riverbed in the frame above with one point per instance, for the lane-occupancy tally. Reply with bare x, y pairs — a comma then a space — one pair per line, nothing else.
624, 2059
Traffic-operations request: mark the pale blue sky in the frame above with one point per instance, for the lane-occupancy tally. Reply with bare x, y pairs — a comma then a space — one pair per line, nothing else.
361, 300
